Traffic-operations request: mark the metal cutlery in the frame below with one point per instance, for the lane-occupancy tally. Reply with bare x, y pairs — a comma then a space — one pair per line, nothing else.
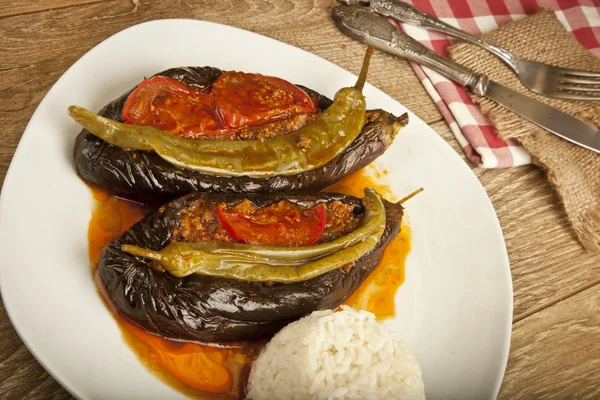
544, 79
376, 31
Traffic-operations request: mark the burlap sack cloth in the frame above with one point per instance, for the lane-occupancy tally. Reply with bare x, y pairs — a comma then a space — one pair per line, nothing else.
573, 171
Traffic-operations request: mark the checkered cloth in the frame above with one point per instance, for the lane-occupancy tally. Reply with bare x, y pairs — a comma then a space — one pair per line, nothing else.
473, 130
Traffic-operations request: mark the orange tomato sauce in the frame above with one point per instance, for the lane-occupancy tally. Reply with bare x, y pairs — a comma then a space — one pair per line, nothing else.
210, 371
202, 371
376, 294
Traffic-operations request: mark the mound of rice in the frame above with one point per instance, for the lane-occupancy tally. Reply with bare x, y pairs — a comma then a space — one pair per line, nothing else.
335, 355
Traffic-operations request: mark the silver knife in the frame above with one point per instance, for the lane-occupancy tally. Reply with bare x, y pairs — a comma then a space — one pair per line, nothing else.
374, 30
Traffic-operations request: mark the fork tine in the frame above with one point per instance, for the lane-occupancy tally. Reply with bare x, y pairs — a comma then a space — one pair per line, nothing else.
579, 81
580, 89
576, 97
567, 93
565, 96
579, 73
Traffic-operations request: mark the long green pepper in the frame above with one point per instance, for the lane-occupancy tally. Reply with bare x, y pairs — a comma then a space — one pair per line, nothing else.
308, 148
281, 264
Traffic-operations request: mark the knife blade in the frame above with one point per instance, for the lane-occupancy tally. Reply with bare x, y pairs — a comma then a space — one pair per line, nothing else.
374, 30
548, 117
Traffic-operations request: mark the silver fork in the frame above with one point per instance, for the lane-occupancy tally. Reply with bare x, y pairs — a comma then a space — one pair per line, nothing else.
544, 79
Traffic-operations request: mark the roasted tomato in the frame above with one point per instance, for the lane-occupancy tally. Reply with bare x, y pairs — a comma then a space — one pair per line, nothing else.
252, 99
237, 100
280, 224
171, 106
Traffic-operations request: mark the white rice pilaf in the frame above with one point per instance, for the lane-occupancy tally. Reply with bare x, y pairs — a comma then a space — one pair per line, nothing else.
335, 355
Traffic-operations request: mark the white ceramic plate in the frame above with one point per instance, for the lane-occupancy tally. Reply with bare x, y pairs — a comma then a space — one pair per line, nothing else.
454, 309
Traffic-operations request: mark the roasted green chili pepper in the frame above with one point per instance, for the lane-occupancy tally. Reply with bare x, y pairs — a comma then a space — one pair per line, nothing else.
257, 263
307, 148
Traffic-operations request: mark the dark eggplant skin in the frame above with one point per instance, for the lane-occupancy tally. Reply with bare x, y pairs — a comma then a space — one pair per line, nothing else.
207, 309
144, 177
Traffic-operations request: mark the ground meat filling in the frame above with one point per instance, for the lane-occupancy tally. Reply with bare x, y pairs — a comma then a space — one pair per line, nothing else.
198, 223
275, 128
341, 220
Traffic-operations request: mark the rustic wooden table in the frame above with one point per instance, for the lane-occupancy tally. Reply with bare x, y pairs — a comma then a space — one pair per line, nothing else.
555, 350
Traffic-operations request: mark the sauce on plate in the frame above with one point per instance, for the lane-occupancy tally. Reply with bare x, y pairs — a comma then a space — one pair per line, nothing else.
376, 294
212, 371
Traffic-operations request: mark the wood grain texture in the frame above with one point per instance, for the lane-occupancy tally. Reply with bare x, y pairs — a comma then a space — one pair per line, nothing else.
555, 353
16, 7
550, 348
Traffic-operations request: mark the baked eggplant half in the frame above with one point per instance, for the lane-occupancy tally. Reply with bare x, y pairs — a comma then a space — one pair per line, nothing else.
279, 256
177, 101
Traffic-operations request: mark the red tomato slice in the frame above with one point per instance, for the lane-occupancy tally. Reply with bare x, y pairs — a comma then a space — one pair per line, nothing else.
236, 100
253, 99
171, 106
281, 224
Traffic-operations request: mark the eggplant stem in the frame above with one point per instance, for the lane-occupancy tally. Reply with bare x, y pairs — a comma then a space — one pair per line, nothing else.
410, 196
362, 77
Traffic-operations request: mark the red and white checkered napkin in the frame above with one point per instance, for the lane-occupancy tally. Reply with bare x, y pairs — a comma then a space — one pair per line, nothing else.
473, 130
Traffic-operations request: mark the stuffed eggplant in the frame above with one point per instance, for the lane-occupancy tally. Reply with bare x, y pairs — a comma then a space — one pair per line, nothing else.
208, 105
230, 267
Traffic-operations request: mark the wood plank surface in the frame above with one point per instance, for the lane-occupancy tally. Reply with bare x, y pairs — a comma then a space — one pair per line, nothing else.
555, 352
16, 7
555, 280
